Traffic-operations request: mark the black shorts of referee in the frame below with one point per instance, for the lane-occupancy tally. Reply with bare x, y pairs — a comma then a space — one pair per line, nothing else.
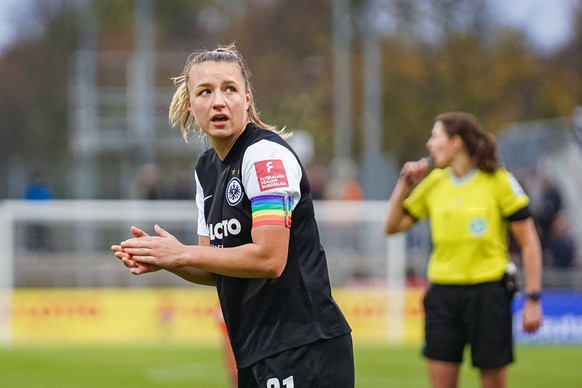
326, 363
476, 315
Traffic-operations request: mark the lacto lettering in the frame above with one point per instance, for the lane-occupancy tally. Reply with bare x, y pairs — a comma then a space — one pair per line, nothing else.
225, 228
271, 174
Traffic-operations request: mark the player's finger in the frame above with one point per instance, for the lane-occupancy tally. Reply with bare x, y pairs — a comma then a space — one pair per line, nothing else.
136, 242
138, 251
122, 256
143, 259
162, 232
137, 232
137, 270
140, 268
129, 263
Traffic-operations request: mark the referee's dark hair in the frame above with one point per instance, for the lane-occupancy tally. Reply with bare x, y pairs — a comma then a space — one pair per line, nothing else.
480, 145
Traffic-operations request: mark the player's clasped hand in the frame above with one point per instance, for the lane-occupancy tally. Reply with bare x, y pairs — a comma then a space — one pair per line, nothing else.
163, 250
145, 253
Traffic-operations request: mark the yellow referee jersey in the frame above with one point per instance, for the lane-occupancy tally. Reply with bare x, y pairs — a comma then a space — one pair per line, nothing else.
468, 223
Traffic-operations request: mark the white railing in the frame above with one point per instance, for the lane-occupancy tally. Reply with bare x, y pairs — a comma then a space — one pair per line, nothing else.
66, 244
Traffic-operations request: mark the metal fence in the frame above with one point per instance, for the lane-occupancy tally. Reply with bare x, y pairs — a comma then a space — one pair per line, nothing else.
67, 243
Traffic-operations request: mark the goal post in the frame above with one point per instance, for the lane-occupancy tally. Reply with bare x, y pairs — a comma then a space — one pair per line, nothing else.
6, 274
395, 286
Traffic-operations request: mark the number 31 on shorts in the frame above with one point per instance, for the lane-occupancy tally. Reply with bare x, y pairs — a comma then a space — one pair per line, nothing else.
274, 383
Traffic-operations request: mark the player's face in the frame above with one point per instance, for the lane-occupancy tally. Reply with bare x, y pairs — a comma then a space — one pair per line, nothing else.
219, 100
440, 146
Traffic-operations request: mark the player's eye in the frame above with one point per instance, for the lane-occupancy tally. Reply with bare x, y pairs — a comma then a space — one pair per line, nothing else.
204, 92
231, 89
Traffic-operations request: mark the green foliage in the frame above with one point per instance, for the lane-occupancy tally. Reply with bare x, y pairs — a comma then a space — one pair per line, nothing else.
467, 63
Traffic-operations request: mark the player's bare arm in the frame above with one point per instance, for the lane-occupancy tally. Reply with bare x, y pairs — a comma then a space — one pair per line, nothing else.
195, 275
137, 267
265, 257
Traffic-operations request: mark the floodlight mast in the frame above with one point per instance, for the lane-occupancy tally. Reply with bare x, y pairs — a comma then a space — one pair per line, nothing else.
342, 101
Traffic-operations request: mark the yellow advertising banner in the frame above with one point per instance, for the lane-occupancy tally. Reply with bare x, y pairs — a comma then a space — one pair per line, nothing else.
115, 315
185, 315
369, 312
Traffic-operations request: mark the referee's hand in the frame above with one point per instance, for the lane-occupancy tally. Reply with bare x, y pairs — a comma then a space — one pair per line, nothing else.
532, 316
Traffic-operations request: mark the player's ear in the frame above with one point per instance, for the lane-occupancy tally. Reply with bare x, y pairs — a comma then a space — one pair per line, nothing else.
248, 99
191, 110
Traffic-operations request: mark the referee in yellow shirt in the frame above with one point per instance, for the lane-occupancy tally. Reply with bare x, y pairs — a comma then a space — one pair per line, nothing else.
471, 202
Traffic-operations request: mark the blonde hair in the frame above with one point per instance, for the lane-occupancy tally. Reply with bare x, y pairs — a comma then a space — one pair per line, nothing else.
180, 115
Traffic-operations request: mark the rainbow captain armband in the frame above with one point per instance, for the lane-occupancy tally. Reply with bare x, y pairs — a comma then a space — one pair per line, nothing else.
271, 210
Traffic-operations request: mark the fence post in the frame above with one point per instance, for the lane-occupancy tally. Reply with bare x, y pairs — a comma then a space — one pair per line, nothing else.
395, 286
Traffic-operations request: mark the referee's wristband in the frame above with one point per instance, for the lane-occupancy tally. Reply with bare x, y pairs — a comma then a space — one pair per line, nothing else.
533, 296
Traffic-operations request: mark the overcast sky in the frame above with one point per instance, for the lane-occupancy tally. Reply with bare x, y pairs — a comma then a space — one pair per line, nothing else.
11, 14
547, 22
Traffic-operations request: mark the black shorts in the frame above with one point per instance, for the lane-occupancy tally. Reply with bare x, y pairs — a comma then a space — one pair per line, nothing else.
322, 364
476, 315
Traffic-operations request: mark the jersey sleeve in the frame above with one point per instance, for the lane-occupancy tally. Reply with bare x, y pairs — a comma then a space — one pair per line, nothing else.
415, 204
202, 227
271, 177
512, 197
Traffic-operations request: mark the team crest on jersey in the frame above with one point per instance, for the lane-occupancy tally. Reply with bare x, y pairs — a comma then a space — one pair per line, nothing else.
478, 226
234, 192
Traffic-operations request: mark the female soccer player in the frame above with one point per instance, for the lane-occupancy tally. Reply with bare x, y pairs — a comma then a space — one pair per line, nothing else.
258, 238
471, 201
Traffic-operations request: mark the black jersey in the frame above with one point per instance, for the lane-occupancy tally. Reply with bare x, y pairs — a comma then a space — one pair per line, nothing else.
261, 181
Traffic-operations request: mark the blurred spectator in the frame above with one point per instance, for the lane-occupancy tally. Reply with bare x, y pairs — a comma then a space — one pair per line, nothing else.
38, 236
147, 185
352, 191
37, 189
343, 184
548, 208
318, 176
561, 245
185, 186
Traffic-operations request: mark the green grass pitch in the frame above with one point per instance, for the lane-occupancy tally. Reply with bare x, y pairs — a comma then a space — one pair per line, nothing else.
191, 366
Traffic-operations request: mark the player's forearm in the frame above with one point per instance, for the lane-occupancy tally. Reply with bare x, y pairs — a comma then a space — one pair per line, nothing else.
194, 275
265, 257
245, 261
